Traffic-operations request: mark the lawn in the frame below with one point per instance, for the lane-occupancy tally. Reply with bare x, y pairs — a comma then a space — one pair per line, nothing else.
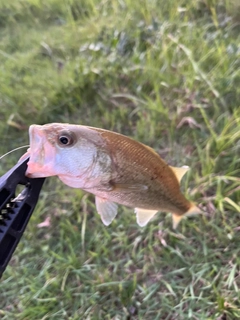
166, 73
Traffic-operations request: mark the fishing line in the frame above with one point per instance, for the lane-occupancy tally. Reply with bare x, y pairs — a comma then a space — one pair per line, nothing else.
26, 146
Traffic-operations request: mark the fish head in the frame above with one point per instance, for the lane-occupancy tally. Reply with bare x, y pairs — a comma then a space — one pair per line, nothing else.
59, 149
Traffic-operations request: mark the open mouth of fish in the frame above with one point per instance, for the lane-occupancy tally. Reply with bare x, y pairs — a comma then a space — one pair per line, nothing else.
40, 154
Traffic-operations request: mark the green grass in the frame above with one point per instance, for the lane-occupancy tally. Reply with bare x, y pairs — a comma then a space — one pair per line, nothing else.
139, 68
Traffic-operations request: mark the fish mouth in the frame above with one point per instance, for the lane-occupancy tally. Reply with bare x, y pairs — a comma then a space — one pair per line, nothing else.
41, 154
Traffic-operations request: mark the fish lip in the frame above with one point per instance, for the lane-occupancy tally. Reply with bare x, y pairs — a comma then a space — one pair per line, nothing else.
36, 171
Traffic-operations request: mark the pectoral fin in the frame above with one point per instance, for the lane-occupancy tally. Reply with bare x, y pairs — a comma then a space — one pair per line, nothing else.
106, 209
144, 215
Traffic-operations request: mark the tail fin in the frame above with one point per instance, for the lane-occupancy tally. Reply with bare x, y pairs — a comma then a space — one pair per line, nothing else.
193, 210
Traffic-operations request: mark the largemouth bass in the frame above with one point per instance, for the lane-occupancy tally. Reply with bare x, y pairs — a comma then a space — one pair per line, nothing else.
113, 167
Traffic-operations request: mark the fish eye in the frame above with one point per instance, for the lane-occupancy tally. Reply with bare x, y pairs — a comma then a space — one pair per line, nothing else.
65, 139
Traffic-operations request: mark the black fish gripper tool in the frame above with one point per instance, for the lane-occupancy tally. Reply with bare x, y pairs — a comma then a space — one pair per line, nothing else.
15, 210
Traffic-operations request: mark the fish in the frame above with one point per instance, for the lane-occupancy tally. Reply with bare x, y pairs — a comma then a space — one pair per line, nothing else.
115, 168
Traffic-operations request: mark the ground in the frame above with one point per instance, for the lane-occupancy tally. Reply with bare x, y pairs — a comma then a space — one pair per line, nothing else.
167, 74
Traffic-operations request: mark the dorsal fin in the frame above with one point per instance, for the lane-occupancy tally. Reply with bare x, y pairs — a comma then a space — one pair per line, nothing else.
180, 172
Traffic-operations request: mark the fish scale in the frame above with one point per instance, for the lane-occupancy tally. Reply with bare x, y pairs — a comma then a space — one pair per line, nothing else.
147, 167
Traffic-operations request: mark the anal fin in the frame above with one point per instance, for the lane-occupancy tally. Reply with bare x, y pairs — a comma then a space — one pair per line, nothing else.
176, 219
106, 209
144, 216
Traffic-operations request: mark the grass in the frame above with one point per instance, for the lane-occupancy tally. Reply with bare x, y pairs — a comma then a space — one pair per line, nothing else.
167, 74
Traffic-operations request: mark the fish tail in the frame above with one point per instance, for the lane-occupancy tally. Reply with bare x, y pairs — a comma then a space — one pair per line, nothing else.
193, 210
